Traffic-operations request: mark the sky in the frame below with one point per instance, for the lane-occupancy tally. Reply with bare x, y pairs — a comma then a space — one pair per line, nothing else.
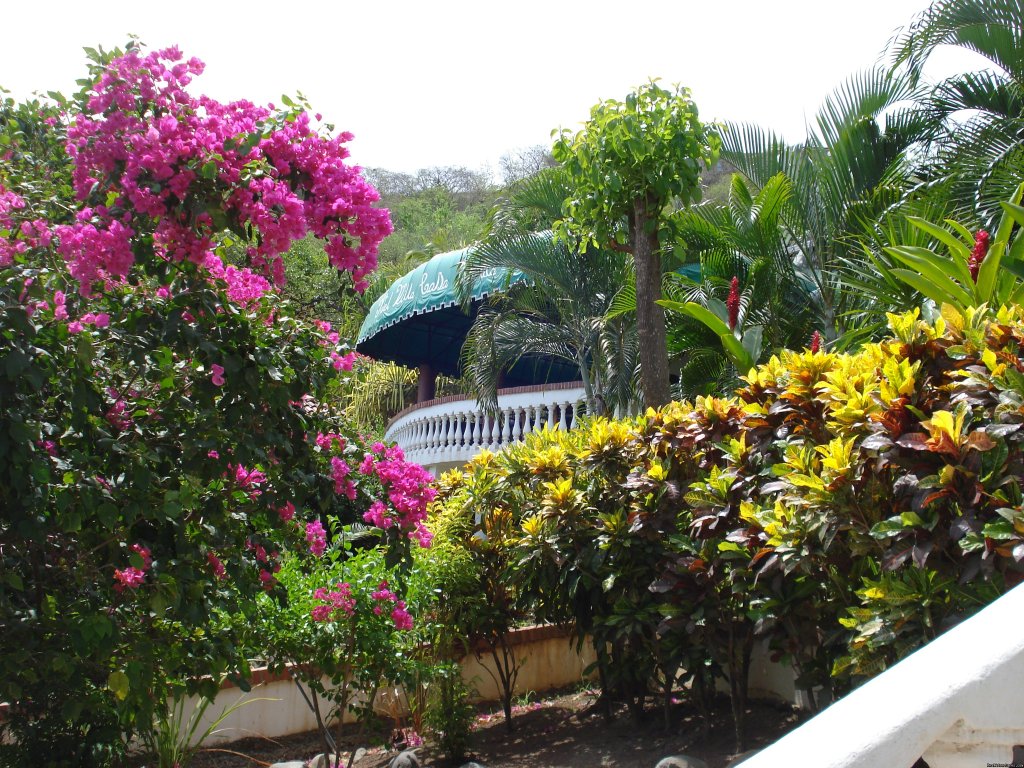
446, 82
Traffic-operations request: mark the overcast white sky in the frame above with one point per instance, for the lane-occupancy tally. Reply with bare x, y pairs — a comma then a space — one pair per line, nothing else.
447, 82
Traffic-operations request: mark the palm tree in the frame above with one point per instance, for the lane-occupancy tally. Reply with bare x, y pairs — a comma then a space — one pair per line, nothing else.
743, 239
854, 165
559, 310
976, 119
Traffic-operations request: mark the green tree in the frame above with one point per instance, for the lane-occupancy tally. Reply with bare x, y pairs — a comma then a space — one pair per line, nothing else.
629, 163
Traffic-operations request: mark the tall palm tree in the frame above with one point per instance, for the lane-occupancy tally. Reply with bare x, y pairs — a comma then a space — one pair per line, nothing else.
854, 165
559, 310
976, 119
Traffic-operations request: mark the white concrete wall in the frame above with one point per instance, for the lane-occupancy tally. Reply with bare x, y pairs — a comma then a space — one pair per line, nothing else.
958, 702
549, 660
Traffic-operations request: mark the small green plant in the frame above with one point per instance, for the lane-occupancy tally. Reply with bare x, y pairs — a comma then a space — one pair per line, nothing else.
174, 739
450, 714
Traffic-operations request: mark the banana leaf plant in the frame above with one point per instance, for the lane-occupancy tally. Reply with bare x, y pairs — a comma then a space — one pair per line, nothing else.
976, 268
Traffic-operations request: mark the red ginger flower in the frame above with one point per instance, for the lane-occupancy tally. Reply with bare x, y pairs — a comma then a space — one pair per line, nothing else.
815, 342
981, 240
733, 302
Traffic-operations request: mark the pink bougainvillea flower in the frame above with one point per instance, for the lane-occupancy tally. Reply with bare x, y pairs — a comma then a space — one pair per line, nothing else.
401, 616
130, 577
217, 375
145, 554
287, 512
217, 566
316, 537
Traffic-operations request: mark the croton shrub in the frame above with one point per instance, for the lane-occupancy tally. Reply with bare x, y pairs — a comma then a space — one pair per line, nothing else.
845, 507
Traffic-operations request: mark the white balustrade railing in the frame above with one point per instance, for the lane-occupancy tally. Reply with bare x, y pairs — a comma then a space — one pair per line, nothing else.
451, 430
955, 703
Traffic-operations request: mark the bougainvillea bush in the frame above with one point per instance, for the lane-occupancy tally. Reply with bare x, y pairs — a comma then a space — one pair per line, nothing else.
846, 508
166, 433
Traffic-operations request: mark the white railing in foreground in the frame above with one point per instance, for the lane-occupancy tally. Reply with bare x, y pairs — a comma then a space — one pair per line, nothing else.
452, 430
957, 702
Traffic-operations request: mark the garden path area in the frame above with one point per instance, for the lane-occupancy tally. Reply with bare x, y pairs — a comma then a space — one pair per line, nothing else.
558, 732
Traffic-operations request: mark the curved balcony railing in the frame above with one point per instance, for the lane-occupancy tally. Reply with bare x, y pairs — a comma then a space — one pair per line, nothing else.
451, 430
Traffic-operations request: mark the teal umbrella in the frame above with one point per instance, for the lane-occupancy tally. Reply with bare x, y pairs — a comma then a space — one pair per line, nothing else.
420, 319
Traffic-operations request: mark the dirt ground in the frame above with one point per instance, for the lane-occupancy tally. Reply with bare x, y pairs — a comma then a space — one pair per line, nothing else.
558, 732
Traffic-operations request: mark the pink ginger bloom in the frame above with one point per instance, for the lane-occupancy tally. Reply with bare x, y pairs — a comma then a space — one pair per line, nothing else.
980, 250
217, 375
815, 342
316, 537
732, 303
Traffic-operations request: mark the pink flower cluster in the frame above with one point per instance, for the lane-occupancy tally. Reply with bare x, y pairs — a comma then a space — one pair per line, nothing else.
216, 565
248, 479
338, 601
316, 537
132, 577
409, 488
9, 203
151, 151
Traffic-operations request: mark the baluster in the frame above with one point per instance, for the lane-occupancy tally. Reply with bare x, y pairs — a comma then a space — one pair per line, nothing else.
477, 436
456, 441
438, 431
575, 415
496, 430
517, 426
446, 431
549, 416
563, 423
506, 426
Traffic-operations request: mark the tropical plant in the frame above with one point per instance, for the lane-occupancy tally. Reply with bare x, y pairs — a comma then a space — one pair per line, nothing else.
979, 270
175, 739
555, 303
974, 125
630, 162
852, 167
744, 259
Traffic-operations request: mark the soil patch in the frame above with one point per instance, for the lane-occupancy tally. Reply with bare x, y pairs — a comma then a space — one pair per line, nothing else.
562, 731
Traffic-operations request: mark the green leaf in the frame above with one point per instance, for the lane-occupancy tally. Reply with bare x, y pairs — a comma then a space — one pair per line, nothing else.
118, 683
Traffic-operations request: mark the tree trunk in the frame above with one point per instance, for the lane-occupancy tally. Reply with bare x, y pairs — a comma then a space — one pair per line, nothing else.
650, 317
